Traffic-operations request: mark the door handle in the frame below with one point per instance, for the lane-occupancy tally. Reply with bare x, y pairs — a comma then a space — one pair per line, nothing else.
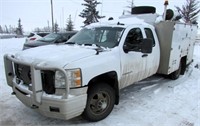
144, 55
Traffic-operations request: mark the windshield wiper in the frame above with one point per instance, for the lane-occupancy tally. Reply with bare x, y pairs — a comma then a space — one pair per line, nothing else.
91, 44
88, 44
99, 49
71, 43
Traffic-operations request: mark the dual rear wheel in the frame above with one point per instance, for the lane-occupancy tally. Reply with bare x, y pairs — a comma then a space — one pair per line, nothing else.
181, 70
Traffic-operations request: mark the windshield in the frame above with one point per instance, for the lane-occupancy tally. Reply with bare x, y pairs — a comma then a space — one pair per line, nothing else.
102, 36
50, 37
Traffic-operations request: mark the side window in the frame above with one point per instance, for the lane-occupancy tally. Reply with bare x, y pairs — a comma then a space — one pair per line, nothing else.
149, 35
134, 39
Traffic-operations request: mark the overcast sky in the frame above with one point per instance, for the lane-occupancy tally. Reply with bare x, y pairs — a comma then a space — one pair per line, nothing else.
36, 13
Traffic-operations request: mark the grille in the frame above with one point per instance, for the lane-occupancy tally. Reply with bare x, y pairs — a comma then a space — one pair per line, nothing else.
23, 72
48, 81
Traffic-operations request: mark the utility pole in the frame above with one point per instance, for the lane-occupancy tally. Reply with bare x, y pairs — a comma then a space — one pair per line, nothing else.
52, 16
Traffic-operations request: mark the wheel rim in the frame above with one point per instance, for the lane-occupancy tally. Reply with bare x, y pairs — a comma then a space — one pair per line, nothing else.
99, 102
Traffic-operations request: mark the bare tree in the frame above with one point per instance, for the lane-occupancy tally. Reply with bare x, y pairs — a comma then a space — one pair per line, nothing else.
11, 29
37, 30
1, 29
46, 29
189, 11
130, 6
6, 29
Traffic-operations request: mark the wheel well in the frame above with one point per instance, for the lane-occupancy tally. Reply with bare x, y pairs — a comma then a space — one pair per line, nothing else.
109, 78
183, 64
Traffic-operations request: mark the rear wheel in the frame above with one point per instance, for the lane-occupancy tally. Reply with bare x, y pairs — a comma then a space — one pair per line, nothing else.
100, 102
175, 75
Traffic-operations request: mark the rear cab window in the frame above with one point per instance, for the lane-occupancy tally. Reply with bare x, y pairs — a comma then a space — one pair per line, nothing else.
149, 35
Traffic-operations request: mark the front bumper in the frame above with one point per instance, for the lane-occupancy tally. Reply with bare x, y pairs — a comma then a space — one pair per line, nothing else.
54, 107
62, 107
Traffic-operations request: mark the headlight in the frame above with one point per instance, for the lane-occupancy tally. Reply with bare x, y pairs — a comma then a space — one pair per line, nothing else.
59, 80
74, 78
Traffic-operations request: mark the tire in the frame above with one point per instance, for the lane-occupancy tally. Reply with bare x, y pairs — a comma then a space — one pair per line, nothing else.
175, 75
100, 102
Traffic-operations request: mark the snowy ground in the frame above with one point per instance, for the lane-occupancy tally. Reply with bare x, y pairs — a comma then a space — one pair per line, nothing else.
156, 101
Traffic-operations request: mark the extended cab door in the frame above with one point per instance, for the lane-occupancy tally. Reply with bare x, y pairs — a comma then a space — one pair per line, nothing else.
136, 65
152, 59
133, 62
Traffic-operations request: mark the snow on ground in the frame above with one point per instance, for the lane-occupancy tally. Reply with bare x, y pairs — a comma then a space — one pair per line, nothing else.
156, 101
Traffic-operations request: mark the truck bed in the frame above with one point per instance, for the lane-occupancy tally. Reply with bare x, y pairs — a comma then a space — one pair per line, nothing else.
176, 42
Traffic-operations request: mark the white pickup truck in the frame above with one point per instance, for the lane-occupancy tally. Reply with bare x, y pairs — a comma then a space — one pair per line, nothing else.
84, 76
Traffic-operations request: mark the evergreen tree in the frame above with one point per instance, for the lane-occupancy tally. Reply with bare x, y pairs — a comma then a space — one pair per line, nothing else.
190, 11
46, 29
37, 30
19, 29
56, 28
70, 25
90, 12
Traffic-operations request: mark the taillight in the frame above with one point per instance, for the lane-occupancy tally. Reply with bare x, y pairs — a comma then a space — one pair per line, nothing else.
32, 38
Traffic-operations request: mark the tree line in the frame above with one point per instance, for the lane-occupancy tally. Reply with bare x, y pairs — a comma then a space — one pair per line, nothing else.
7, 29
69, 27
12, 29
189, 13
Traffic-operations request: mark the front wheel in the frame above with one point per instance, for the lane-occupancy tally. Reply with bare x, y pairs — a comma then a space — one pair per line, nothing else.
100, 102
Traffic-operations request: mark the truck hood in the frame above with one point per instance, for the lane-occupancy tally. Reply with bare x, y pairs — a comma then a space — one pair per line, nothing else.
55, 55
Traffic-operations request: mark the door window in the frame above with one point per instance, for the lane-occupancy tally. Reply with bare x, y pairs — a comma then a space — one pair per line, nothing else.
134, 39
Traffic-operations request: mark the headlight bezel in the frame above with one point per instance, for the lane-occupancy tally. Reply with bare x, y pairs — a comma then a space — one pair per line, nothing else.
73, 76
